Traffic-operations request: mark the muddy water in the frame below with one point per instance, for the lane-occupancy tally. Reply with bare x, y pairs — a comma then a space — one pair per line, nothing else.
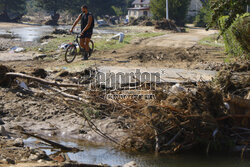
34, 33
107, 155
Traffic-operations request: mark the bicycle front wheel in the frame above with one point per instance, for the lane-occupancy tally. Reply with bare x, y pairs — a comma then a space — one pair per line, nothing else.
70, 53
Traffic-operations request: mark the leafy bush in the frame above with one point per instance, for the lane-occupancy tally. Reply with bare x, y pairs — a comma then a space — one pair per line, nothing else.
236, 37
203, 18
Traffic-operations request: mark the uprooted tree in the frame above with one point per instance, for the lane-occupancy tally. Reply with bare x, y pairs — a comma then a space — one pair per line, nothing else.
52, 7
12, 10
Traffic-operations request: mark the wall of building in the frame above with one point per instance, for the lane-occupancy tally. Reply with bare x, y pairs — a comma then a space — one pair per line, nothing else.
194, 8
138, 13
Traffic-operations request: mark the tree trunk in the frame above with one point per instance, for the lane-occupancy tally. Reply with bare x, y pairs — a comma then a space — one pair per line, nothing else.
54, 19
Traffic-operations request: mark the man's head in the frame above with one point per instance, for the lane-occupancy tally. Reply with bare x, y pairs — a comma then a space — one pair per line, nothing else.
84, 9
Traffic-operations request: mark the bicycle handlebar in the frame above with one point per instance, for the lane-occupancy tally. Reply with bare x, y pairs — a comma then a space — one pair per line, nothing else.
78, 35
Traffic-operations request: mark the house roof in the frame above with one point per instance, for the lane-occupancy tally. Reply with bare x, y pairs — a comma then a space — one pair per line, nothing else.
141, 8
141, 2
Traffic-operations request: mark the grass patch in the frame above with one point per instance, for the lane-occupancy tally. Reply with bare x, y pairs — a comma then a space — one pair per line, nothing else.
211, 41
103, 44
53, 44
100, 44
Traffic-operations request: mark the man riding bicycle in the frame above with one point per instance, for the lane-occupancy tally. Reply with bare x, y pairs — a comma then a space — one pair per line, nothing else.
87, 25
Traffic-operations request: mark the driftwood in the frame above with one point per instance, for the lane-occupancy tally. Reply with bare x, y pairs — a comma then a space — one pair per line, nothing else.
43, 81
69, 95
53, 144
244, 103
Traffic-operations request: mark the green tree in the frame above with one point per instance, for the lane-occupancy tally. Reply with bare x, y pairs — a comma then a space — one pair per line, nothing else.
177, 10
118, 11
204, 16
231, 8
233, 23
12, 10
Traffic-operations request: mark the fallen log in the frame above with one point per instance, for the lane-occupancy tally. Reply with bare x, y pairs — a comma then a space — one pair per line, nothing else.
53, 144
40, 80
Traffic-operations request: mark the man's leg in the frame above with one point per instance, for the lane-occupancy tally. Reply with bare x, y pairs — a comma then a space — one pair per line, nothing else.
83, 45
87, 40
82, 41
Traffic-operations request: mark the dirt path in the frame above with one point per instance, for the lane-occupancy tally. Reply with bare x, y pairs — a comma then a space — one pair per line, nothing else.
177, 40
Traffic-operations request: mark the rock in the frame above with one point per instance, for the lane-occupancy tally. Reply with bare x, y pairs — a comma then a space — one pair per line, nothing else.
18, 142
3, 131
130, 164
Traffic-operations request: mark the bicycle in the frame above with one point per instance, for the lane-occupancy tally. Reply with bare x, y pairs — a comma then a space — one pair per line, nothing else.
72, 50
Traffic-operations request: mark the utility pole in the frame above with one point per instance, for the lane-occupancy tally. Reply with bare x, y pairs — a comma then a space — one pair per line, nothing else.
247, 7
167, 17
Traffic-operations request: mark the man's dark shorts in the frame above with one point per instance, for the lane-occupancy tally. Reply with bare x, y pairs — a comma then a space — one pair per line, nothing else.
87, 34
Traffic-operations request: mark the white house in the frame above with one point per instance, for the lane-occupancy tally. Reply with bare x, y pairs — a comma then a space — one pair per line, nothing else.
141, 8
194, 8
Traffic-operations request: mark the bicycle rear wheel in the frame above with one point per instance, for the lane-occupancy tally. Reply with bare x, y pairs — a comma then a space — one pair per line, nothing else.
91, 47
70, 53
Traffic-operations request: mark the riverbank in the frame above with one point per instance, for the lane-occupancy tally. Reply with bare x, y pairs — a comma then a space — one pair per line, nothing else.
15, 25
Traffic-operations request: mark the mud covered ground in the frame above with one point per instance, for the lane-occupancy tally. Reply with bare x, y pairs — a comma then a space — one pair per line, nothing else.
45, 112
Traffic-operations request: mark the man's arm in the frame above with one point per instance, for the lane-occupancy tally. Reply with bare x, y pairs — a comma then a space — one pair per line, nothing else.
90, 19
76, 22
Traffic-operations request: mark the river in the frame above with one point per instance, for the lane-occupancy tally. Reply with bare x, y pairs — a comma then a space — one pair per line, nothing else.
93, 154
34, 33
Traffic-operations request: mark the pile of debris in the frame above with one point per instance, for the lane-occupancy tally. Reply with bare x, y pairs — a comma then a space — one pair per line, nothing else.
196, 117
173, 122
167, 25
60, 31
142, 21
